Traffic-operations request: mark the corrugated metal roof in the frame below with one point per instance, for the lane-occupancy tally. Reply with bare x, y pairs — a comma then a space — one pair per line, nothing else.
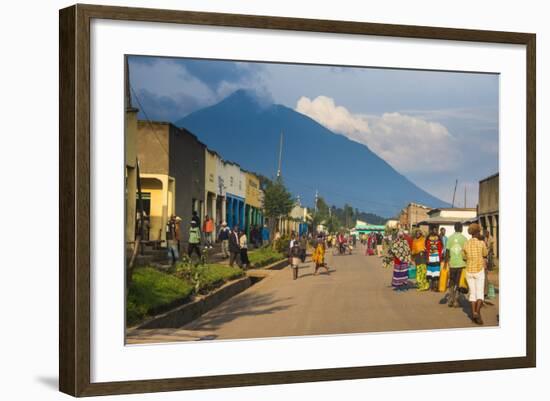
445, 220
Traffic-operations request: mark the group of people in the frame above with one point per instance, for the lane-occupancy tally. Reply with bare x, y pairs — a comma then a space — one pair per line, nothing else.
298, 249
234, 244
234, 241
341, 242
373, 241
465, 259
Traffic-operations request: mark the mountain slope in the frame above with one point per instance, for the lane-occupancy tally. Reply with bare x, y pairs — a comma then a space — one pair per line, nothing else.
244, 130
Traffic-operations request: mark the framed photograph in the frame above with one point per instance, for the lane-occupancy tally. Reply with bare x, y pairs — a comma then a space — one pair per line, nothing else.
249, 200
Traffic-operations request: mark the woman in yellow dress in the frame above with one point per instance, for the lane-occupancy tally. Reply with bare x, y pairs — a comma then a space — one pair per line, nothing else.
318, 256
418, 251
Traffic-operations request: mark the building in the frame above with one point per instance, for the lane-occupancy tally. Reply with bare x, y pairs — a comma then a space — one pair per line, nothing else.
131, 170
234, 182
254, 199
412, 214
213, 207
447, 217
362, 227
172, 169
296, 221
488, 208
221, 191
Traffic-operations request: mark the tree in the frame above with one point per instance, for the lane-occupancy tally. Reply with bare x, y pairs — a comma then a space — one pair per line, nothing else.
278, 202
323, 214
348, 216
333, 224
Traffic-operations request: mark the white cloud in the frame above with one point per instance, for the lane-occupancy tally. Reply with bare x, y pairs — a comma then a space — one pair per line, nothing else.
408, 143
323, 109
166, 78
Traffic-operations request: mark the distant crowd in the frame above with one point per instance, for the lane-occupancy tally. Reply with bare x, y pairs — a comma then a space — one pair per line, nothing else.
234, 241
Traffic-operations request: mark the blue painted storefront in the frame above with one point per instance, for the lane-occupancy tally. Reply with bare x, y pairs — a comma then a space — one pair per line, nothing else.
235, 211
303, 229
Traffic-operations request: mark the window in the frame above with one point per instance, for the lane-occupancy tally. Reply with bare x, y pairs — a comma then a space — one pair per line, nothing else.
146, 199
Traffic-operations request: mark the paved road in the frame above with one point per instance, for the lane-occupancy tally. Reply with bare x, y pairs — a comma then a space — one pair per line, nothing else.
355, 297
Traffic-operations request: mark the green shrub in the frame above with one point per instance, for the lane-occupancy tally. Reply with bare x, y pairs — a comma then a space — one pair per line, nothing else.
152, 289
264, 256
282, 244
204, 278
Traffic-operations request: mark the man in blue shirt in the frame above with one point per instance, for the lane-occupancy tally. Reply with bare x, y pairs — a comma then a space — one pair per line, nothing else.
265, 235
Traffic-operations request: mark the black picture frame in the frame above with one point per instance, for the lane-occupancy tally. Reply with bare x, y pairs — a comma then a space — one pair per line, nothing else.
74, 198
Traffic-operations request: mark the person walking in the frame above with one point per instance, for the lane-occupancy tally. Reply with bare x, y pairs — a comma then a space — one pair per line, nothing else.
194, 240
294, 256
371, 244
379, 239
489, 266
318, 256
401, 253
475, 253
341, 243
455, 261
443, 239
208, 230
490, 244
234, 247
303, 248
223, 237
254, 236
418, 251
243, 244
172, 238
265, 235
195, 217
434, 250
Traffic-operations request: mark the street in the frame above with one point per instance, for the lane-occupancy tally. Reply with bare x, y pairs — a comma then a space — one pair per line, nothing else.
356, 297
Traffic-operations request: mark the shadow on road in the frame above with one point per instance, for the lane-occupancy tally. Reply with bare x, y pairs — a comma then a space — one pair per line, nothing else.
243, 305
321, 273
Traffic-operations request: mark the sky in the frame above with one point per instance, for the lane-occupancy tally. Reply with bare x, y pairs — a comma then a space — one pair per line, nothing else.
434, 127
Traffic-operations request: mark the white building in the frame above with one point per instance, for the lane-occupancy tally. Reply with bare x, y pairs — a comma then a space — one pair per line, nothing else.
447, 217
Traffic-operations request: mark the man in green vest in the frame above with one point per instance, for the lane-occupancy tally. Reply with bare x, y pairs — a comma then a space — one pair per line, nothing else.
453, 256
194, 239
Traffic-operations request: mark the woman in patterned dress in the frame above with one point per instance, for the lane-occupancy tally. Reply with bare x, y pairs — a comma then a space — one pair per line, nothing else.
401, 253
418, 251
434, 249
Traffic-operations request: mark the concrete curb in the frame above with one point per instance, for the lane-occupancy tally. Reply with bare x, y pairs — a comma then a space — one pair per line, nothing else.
188, 312
276, 265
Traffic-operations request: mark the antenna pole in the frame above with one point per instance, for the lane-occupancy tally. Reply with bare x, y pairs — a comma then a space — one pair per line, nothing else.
454, 193
316, 197
280, 155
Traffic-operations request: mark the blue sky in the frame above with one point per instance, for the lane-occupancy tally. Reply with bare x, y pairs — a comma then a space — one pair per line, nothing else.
431, 126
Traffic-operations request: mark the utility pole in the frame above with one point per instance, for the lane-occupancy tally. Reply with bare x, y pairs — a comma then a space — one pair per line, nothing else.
454, 193
280, 155
464, 195
316, 197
